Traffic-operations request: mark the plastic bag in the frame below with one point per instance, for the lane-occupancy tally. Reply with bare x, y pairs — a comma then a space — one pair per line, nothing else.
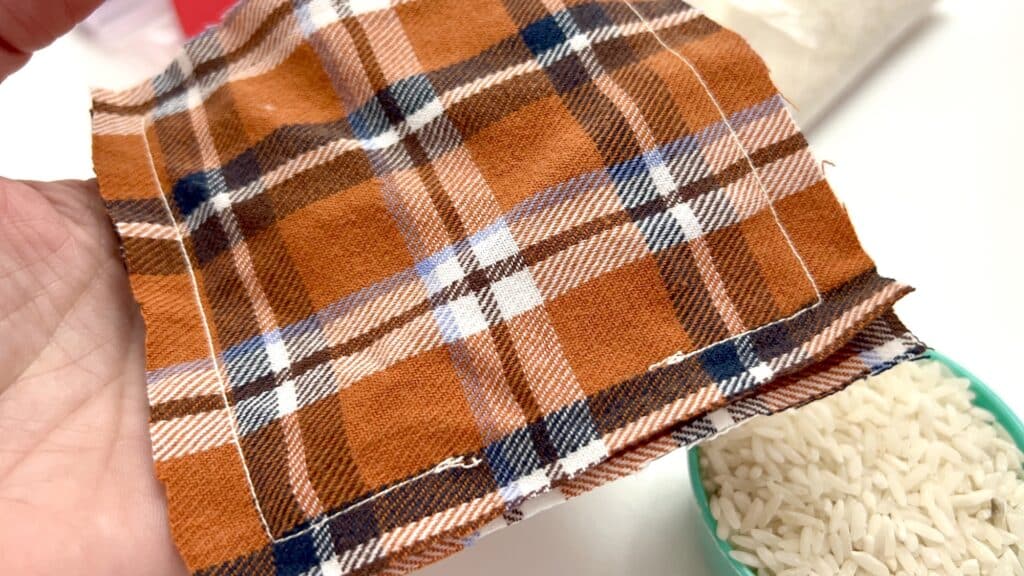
815, 49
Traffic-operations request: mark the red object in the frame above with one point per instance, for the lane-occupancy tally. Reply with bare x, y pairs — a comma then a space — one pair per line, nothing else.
196, 15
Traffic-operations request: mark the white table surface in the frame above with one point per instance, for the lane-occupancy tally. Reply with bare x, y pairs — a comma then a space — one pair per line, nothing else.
926, 151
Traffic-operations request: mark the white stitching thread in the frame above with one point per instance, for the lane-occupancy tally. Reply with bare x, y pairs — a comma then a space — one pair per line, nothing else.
739, 144
461, 462
464, 462
206, 329
447, 464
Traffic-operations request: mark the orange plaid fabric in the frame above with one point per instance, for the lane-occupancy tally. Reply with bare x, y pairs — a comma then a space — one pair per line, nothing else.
406, 265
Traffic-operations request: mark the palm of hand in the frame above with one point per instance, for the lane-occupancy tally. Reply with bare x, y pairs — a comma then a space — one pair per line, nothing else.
77, 491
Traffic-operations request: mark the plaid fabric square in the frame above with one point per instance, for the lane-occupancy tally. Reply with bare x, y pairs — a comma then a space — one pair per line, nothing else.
412, 271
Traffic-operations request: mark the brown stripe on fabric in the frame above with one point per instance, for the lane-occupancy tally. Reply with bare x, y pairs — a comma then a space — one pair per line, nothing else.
638, 396
478, 280
740, 168
831, 361
690, 298
266, 457
494, 103
282, 145
701, 186
644, 45
177, 142
492, 403
366, 339
778, 150
270, 22
618, 405
653, 207
279, 277
604, 121
207, 67
446, 210
260, 385
361, 42
475, 280
523, 12
548, 247
515, 376
866, 338
226, 128
655, 102
695, 29
505, 52
209, 240
299, 367
751, 295
127, 109
185, 406
849, 294
319, 182
227, 297
616, 53
298, 472
257, 563
149, 210
151, 256
333, 470
407, 503
256, 215
841, 300
505, 267
731, 173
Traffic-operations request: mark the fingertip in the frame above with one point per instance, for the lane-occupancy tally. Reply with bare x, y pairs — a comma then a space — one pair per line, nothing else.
28, 26
10, 60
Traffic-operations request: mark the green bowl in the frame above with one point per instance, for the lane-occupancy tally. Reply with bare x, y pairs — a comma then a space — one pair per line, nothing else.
716, 551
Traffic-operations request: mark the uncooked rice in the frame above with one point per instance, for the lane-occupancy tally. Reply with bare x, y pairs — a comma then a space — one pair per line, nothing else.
898, 474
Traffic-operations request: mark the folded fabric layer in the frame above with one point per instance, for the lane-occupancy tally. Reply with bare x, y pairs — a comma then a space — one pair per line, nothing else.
879, 345
406, 267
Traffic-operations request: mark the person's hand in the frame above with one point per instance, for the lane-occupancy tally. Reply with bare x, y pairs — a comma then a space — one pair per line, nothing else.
78, 495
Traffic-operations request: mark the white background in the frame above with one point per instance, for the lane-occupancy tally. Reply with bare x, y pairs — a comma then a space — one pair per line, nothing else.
926, 150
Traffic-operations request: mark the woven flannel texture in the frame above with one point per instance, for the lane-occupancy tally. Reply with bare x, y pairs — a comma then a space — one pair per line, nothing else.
882, 344
409, 266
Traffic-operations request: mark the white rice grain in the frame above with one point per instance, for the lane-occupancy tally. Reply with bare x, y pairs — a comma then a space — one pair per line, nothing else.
869, 563
899, 474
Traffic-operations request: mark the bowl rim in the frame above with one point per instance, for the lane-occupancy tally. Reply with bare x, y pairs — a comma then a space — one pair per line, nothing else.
984, 397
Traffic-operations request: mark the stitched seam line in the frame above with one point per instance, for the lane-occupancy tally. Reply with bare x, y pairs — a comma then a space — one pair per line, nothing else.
206, 329
739, 144
442, 466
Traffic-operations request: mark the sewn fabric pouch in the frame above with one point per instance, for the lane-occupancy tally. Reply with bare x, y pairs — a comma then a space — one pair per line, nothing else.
414, 270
